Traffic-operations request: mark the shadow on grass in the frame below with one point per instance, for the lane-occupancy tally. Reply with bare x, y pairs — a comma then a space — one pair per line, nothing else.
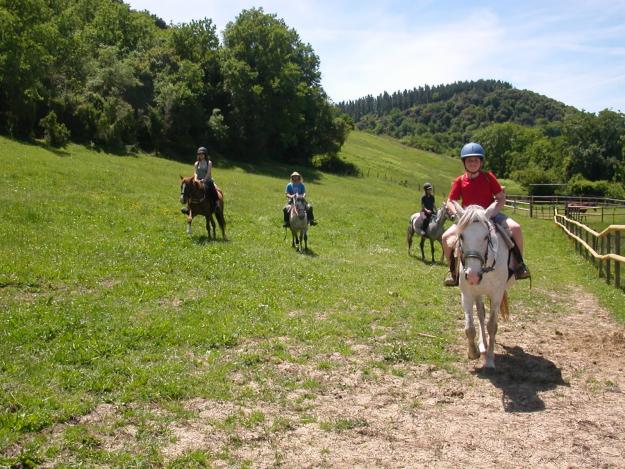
521, 376
426, 260
204, 239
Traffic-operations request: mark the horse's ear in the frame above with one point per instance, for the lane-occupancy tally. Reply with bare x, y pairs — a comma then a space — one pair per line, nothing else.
491, 210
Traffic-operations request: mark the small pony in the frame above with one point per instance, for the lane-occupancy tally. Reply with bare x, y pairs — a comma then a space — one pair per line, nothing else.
192, 193
484, 254
433, 232
298, 222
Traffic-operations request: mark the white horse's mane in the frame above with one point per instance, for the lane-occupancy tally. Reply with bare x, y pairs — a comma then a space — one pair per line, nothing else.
473, 213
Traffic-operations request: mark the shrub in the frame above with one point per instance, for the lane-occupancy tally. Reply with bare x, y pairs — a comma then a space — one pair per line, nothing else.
55, 132
578, 185
332, 163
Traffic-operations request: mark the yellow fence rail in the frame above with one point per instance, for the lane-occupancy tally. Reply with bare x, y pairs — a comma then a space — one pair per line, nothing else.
602, 248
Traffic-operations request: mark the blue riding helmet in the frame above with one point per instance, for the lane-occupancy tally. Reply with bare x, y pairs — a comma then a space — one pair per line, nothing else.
472, 149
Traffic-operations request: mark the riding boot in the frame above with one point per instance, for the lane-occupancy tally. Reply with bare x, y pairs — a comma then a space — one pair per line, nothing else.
185, 210
285, 212
452, 276
311, 216
521, 271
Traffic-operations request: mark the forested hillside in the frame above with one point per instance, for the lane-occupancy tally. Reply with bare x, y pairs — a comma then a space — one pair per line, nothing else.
528, 137
440, 117
97, 72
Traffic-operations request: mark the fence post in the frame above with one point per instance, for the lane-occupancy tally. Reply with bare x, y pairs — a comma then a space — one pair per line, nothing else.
531, 206
617, 264
608, 270
601, 245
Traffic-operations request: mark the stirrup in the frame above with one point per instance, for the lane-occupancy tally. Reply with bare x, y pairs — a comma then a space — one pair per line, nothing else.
521, 272
313, 222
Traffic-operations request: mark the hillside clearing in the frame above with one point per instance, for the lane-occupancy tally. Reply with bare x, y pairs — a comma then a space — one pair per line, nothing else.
125, 342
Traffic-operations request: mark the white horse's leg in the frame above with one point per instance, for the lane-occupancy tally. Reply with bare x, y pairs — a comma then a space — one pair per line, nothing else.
469, 326
492, 332
481, 315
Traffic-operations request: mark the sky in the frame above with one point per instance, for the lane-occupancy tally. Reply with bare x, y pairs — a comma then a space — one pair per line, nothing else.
569, 50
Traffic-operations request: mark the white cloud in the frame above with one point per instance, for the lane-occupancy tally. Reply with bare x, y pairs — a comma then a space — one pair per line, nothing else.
568, 50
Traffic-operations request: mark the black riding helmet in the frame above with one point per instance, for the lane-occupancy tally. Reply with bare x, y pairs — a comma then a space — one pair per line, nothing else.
427, 186
202, 150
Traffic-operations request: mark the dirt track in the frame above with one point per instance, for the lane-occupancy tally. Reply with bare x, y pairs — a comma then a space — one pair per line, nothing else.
556, 400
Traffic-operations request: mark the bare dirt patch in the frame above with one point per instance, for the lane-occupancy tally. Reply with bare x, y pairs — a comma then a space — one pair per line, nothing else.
556, 400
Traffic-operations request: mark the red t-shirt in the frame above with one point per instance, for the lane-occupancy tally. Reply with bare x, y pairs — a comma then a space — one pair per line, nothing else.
479, 191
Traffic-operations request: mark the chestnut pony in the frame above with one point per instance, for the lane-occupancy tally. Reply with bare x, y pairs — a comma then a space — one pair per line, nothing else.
192, 193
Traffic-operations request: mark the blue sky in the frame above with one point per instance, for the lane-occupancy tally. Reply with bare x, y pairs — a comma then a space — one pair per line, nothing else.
572, 51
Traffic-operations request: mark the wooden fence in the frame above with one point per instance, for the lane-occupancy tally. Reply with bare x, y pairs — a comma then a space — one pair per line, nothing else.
603, 249
580, 208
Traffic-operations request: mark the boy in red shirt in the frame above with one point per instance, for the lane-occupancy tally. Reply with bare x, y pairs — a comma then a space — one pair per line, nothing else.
480, 188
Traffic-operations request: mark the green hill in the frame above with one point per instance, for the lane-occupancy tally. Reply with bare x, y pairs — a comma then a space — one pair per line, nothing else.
104, 299
442, 117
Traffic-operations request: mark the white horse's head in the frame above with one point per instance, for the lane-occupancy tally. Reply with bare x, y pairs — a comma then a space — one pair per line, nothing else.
299, 204
477, 243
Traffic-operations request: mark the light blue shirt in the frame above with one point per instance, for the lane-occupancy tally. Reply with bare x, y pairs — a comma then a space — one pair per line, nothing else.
295, 188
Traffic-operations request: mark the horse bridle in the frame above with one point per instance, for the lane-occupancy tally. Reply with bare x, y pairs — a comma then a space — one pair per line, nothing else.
296, 201
482, 258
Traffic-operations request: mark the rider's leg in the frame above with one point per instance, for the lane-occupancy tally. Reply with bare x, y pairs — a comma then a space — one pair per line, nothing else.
452, 276
311, 216
424, 225
211, 191
521, 271
285, 211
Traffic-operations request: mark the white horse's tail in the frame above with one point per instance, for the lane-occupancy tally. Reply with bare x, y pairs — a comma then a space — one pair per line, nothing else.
409, 234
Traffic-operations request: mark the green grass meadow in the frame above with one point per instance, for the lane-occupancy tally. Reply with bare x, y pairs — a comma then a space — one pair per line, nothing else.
104, 298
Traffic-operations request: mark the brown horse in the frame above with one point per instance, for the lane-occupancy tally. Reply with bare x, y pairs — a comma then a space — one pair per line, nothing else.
192, 193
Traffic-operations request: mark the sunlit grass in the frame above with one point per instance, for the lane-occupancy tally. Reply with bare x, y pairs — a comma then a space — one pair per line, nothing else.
104, 298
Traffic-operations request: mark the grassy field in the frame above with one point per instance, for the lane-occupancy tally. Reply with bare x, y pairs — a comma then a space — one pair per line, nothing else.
105, 299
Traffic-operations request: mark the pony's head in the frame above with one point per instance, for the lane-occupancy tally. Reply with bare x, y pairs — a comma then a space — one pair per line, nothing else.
477, 243
299, 204
188, 188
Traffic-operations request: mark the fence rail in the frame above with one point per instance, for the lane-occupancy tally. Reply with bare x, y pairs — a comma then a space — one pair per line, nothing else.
603, 248
580, 208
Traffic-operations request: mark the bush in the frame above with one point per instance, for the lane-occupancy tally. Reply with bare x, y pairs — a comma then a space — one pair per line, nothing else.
578, 185
332, 163
537, 181
55, 132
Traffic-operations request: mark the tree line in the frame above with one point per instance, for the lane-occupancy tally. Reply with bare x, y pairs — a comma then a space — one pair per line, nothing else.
100, 73
528, 137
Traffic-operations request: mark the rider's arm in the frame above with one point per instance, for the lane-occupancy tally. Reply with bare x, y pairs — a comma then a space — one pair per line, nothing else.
494, 208
195, 178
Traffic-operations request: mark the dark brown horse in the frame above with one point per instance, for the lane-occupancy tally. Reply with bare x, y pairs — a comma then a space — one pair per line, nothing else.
192, 193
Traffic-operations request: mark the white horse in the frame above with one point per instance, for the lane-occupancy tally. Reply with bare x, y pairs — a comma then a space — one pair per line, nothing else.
433, 232
484, 254
298, 222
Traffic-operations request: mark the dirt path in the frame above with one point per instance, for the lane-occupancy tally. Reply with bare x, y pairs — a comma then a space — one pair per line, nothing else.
556, 401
